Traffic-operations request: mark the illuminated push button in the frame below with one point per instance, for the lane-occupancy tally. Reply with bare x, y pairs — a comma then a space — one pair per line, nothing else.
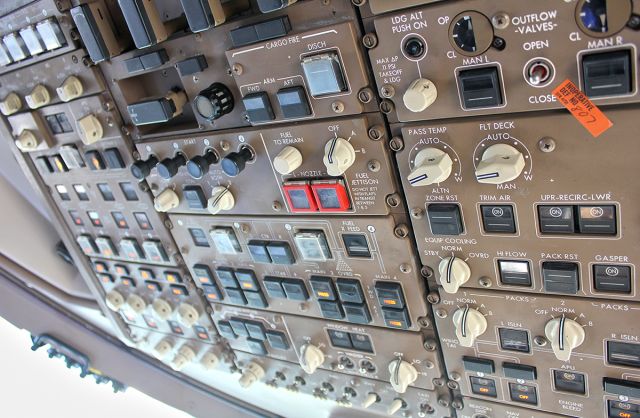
523, 393
169, 167
199, 165
311, 358
571, 382
251, 374
166, 200
70, 89
90, 129
499, 164
258, 107
114, 300
390, 294
293, 102
322, 288
469, 324
484, 387
221, 200
402, 374
11, 104
454, 272
136, 304
141, 169
420, 95
287, 160
234, 163
430, 166
565, 335
87, 245
339, 155
38, 97
27, 141
106, 247
184, 356
5, 59
267, 6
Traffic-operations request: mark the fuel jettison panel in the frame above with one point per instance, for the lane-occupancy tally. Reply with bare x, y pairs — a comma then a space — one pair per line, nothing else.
413, 208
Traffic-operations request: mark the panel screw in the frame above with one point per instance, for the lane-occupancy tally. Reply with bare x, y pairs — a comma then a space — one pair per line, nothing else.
237, 69
168, 224
539, 341
370, 40
457, 404
453, 385
434, 298
500, 20
396, 144
547, 144
443, 401
277, 206
455, 376
387, 91
484, 282
337, 106
424, 322
498, 43
417, 213
441, 313
393, 200
634, 22
373, 165
438, 381
375, 132
358, 3
401, 231
244, 228
386, 106
405, 268
365, 95
426, 271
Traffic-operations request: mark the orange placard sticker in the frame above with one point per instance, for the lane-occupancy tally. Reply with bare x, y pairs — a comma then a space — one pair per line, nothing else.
582, 108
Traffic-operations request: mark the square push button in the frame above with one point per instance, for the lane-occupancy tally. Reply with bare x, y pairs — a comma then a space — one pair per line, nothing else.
514, 273
519, 371
560, 277
226, 277
155, 251
339, 339
523, 393
202, 273
212, 293
236, 296
226, 330
570, 382
225, 240
280, 253
480, 87
618, 409
607, 73
324, 74
361, 342
331, 309
478, 365
255, 299
295, 289
597, 220
256, 330
396, 318
256, 347
322, 288
621, 387
498, 219
293, 102
556, 219
445, 219
356, 245
514, 340
484, 387
247, 279
300, 196
194, 196
357, 313
113, 158
273, 286
258, 107
612, 278
350, 290
238, 327
390, 294
277, 340
258, 251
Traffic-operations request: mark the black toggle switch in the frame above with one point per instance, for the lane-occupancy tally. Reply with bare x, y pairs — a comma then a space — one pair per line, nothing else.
141, 169
168, 167
198, 166
234, 163
214, 102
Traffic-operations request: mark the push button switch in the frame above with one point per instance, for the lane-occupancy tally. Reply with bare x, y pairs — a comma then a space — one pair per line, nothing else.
236, 296
445, 219
258, 251
247, 279
350, 290
514, 273
226, 277
621, 387
519, 371
331, 309
361, 342
238, 327
277, 340
390, 294
195, 197
478, 365
480, 87
258, 107
612, 278
396, 318
514, 339
255, 299
339, 339
523, 393
357, 313
560, 277
293, 102
280, 253
256, 347
597, 220
484, 387
202, 273
498, 219
273, 286
295, 289
571, 382
618, 409
322, 288
556, 219
226, 330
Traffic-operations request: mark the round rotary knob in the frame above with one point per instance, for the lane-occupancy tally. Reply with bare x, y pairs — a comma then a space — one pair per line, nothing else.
209, 360
198, 166
166, 200
70, 89
188, 315
221, 199
565, 335
214, 102
136, 303
38, 97
420, 95
499, 164
454, 272
141, 169
169, 167
402, 375
163, 348
114, 300
430, 166
469, 324
162, 309
339, 155
11, 104
184, 356
235, 162
287, 160
251, 374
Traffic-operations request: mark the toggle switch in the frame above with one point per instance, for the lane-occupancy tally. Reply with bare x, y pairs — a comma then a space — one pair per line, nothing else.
287, 160
469, 324
565, 335
420, 95
235, 162
70, 89
184, 356
251, 374
114, 300
402, 374
311, 357
187, 315
169, 167
11, 104
136, 304
90, 129
454, 272
199, 165
339, 155
221, 199
162, 309
141, 169
27, 141
38, 97
166, 200
395, 406
499, 164
370, 400
430, 166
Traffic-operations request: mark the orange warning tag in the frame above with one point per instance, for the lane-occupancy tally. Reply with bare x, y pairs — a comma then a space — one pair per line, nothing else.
582, 108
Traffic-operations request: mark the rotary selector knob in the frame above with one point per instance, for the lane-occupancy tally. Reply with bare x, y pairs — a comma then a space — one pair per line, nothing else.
209, 360
430, 166
162, 309
499, 164
90, 129
214, 102
184, 356
136, 304
287, 160
420, 95
564, 335
339, 155
469, 324
251, 374
188, 315
161, 349
27, 141
38, 97
70, 89
402, 375
199, 165
166, 200
235, 162
169, 167
221, 199
114, 300
11, 104
311, 357
454, 272
141, 169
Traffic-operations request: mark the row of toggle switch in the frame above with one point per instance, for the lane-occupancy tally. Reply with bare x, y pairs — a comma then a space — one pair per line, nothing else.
31, 41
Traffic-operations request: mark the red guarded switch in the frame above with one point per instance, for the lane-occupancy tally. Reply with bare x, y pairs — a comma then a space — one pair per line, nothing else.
330, 195
300, 197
